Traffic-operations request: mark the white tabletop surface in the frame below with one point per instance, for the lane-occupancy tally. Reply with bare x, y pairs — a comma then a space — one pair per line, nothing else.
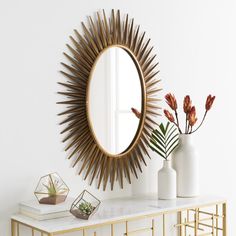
120, 209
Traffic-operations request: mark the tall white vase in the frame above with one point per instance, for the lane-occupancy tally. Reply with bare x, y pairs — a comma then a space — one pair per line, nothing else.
185, 162
166, 181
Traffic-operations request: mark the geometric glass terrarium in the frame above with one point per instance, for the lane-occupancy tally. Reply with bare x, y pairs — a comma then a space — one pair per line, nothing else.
51, 189
85, 205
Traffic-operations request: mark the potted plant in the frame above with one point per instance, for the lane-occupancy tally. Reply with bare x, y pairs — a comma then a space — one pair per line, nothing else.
185, 158
51, 189
84, 211
84, 205
164, 141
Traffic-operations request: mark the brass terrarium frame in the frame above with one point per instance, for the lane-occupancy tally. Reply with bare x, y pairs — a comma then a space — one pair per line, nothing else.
93, 160
58, 197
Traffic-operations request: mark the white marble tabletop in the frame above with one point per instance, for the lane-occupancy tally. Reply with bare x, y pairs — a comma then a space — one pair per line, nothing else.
118, 210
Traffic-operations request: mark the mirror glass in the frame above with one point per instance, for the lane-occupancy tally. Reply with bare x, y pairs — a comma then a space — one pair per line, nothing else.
115, 88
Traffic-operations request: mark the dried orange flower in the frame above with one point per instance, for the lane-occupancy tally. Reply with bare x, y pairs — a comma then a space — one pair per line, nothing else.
209, 102
192, 117
171, 101
169, 116
187, 104
136, 112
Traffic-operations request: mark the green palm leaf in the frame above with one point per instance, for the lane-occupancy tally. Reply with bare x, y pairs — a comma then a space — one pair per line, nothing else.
162, 143
164, 140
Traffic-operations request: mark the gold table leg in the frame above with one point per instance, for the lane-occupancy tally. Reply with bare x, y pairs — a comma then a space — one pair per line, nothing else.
164, 225
153, 227
224, 219
185, 228
217, 221
213, 225
126, 228
13, 228
179, 221
196, 220
112, 230
18, 229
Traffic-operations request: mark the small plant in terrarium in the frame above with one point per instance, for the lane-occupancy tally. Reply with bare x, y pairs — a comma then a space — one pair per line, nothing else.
51, 189
55, 188
85, 205
86, 208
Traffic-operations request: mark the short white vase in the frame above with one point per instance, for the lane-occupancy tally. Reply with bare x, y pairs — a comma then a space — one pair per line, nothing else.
185, 162
166, 181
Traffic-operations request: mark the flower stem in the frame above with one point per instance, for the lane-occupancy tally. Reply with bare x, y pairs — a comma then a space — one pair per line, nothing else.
177, 119
200, 123
186, 124
188, 129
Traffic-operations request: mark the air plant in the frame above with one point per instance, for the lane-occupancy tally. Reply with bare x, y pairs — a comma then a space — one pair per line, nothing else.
164, 140
189, 110
54, 188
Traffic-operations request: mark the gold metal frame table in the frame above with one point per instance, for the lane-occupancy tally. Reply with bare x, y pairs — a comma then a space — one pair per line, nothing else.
200, 216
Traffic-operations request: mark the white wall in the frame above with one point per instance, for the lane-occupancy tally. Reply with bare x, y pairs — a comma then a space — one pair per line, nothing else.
195, 41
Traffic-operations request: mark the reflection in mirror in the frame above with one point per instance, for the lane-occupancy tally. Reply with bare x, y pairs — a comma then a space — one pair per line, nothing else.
114, 89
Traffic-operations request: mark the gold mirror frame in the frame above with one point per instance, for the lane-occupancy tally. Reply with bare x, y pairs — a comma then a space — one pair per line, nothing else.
92, 159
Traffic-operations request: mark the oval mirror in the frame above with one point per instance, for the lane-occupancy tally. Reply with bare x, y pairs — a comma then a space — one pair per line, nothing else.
114, 89
112, 68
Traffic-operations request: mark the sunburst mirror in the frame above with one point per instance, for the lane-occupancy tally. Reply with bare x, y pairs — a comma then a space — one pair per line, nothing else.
111, 69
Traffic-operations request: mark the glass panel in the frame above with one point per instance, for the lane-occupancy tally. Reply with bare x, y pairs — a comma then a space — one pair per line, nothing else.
114, 89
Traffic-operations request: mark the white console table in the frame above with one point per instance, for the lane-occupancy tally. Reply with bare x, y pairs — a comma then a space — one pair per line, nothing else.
199, 216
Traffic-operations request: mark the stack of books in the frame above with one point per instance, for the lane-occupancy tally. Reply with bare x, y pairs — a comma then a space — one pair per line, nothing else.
45, 212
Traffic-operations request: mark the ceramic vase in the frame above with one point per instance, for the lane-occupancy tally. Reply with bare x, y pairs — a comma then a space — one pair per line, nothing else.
185, 162
166, 181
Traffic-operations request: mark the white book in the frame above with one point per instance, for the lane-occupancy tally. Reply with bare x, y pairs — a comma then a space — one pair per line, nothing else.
45, 212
